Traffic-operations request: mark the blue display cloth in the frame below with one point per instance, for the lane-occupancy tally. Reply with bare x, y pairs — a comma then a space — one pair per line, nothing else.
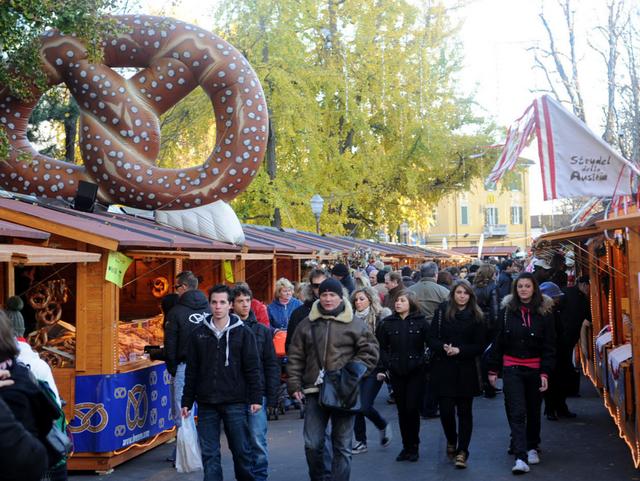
117, 410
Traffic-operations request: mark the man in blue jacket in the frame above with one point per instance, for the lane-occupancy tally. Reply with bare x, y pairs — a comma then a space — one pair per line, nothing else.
223, 376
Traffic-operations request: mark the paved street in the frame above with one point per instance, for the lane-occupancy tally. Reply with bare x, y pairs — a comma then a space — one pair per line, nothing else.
586, 449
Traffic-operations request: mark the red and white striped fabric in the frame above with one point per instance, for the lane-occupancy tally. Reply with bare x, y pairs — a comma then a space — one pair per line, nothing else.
518, 137
573, 160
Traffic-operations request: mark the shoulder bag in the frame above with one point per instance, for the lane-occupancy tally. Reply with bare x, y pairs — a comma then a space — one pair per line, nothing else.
331, 385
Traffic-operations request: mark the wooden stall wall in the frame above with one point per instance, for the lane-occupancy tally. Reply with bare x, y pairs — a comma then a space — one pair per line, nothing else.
258, 274
137, 299
288, 268
208, 272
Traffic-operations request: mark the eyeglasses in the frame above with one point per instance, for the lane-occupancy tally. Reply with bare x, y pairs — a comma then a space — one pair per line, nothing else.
315, 285
177, 286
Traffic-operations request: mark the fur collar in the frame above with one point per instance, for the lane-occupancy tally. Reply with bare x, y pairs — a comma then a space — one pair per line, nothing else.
345, 316
545, 308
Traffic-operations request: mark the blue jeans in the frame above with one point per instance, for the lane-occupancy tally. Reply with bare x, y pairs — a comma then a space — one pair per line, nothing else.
176, 394
258, 442
369, 388
316, 420
234, 417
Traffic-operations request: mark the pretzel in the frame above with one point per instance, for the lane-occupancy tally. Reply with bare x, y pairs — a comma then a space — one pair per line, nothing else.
40, 296
49, 314
119, 125
159, 287
38, 338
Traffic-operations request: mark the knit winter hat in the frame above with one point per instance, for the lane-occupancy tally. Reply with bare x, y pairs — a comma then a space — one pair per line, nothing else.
340, 270
330, 285
14, 306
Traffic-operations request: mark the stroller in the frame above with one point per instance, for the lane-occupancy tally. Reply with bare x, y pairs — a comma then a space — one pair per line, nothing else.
283, 400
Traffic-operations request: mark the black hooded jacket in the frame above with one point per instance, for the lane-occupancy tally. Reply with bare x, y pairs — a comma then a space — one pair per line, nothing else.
223, 370
183, 318
270, 367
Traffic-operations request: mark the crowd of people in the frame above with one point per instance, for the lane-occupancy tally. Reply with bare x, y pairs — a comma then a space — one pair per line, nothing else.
437, 341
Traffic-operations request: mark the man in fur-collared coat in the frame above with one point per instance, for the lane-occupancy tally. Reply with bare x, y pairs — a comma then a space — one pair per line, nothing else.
328, 339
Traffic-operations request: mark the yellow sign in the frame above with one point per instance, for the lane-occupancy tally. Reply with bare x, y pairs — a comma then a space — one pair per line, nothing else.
117, 265
228, 272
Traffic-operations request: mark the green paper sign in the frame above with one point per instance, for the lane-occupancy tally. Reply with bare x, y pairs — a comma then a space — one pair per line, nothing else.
117, 265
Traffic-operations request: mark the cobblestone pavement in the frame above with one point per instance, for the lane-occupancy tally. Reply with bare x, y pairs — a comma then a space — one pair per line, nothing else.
587, 448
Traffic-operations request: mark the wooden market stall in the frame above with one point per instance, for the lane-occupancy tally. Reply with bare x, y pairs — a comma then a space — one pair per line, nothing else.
117, 399
608, 250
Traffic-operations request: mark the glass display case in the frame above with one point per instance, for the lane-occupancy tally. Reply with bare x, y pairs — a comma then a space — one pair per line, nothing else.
134, 335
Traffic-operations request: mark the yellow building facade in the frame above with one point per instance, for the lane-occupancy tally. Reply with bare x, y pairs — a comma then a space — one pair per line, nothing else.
500, 212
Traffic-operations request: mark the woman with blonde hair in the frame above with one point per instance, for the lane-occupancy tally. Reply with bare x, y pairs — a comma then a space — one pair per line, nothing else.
283, 304
367, 307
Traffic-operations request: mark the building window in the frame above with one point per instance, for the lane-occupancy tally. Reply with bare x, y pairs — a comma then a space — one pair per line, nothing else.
464, 215
516, 215
491, 215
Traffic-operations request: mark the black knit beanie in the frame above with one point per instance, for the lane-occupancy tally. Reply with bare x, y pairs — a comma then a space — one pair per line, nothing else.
330, 285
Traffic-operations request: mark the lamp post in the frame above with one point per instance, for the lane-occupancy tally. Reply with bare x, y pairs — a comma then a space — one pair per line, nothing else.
317, 203
404, 232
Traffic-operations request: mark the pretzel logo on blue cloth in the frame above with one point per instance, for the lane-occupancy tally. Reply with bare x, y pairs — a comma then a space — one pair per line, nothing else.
138, 405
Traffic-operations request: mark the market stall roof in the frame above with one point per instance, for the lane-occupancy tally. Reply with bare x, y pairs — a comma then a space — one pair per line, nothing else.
327, 244
259, 237
31, 255
9, 229
108, 230
487, 250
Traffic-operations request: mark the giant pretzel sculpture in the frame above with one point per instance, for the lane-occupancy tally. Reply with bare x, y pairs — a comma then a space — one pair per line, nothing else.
119, 126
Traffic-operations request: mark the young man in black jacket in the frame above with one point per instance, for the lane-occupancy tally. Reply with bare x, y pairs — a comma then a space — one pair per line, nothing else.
270, 373
223, 376
179, 323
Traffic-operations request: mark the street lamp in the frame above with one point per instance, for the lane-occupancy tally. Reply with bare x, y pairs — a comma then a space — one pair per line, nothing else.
317, 203
404, 231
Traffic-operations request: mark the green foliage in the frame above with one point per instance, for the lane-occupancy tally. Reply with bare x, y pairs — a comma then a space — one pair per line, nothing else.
365, 108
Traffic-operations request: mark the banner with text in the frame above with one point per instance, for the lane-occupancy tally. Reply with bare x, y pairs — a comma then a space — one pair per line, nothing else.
574, 161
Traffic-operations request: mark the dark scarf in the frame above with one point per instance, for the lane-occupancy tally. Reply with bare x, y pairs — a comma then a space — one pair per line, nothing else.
334, 313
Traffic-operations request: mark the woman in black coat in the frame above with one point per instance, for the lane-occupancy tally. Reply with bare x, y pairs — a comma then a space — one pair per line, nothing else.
403, 339
457, 337
525, 348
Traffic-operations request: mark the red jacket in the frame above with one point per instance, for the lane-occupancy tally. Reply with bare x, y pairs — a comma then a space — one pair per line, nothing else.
260, 310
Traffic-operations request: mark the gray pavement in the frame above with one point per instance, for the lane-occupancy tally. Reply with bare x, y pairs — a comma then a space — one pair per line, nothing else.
587, 448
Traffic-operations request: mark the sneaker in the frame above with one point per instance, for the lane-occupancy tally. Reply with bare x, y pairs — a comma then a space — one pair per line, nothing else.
520, 467
403, 456
451, 450
533, 457
386, 436
461, 461
359, 448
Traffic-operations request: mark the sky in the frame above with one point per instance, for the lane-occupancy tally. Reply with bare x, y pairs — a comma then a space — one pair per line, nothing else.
498, 68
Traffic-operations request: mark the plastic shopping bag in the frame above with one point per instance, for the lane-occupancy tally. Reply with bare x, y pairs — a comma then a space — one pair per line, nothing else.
188, 457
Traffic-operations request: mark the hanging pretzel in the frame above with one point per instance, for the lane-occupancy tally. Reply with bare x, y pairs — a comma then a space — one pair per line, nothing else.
119, 126
40, 296
50, 314
159, 287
